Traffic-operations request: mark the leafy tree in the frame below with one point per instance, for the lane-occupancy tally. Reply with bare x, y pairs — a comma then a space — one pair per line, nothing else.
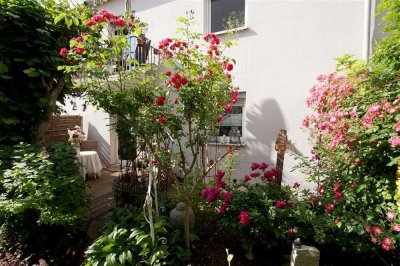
30, 83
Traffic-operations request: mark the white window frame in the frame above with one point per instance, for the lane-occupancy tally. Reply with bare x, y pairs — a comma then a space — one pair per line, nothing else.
241, 101
207, 19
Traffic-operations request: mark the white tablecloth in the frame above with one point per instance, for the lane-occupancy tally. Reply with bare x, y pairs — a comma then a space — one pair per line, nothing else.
89, 163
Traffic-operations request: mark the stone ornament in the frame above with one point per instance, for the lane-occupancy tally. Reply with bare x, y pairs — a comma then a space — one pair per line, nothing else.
177, 216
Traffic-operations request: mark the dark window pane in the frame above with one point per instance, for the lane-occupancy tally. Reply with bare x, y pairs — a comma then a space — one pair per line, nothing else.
223, 10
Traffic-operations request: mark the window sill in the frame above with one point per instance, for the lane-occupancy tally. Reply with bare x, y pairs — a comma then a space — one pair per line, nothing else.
243, 28
227, 144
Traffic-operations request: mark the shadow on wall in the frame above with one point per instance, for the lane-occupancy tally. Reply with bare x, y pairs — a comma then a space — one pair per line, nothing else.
103, 148
263, 125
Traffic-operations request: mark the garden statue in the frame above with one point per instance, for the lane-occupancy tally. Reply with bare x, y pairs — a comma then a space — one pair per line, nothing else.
234, 135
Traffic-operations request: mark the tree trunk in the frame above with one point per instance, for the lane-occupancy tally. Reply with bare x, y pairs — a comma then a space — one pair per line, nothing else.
53, 91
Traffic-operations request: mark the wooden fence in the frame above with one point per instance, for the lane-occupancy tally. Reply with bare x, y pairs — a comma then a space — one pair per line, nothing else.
58, 130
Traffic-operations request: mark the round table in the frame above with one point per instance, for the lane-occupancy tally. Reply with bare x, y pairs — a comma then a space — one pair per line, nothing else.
89, 163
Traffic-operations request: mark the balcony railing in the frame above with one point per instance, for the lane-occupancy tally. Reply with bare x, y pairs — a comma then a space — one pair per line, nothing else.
140, 53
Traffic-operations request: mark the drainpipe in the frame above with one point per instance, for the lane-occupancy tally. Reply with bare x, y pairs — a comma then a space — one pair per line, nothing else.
367, 29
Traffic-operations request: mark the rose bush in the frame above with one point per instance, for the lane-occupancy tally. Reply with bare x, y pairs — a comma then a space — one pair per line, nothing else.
173, 113
257, 210
355, 132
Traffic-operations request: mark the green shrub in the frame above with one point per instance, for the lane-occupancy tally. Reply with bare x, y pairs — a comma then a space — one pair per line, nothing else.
126, 240
41, 186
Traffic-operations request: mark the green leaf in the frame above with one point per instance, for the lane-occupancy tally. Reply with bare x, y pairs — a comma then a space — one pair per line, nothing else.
3, 68
59, 17
68, 21
394, 161
32, 72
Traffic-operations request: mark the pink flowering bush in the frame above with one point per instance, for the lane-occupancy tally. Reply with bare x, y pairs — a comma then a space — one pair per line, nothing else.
355, 131
257, 210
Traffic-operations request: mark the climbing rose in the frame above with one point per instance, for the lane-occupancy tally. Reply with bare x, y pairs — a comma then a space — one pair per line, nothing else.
219, 119
367, 230
387, 244
396, 227
374, 240
79, 50
162, 120
184, 81
329, 208
79, 39
168, 73
377, 230
229, 67
244, 218
280, 204
227, 108
395, 141
160, 100
63, 52
391, 216
247, 178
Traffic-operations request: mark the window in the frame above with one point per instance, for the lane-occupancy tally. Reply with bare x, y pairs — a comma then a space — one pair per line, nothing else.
226, 14
230, 130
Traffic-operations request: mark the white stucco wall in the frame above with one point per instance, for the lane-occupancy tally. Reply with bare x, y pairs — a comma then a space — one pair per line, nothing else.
287, 43
96, 127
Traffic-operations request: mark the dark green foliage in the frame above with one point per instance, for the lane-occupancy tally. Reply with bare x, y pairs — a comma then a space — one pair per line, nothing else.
29, 46
126, 240
41, 186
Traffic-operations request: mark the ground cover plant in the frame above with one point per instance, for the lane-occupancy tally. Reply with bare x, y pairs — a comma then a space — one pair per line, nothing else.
41, 193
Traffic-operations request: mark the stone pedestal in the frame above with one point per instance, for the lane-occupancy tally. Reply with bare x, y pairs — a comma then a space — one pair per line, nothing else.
304, 256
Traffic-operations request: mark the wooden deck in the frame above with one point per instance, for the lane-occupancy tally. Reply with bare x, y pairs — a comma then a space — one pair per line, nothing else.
101, 193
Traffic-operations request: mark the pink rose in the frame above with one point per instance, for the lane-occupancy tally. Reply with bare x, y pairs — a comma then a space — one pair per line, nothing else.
391, 216
396, 227
377, 230
280, 204
387, 244
244, 218
63, 52
395, 141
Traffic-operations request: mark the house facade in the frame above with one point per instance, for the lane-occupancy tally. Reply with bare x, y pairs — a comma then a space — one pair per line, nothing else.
283, 46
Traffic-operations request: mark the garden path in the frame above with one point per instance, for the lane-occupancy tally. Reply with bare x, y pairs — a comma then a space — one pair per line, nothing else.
101, 198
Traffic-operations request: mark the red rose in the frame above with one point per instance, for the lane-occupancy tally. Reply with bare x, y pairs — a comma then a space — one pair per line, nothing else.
329, 208
162, 120
79, 50
63, 52
280, 204
184, 81
160, 100
121, 23
227, 108
79, 39
219, 119
244, 218
168, 73
229, 67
